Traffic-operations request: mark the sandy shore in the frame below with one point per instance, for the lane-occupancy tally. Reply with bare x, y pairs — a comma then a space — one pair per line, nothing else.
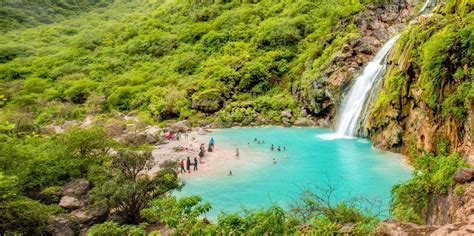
219, 162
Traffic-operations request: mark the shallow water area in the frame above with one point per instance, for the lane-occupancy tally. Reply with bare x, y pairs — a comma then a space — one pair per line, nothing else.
351, 164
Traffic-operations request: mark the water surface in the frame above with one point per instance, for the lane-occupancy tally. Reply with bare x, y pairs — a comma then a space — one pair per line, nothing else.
358, 168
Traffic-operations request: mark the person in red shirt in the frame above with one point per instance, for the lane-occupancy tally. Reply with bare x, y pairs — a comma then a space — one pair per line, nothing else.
181, 163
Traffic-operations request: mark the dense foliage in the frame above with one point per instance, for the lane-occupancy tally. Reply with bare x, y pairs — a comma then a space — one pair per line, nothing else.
432, 176
20, 14
173, 59
435, 58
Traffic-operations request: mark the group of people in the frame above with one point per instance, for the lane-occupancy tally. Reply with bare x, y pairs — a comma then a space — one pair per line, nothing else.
176, 136
186, 164
278, 148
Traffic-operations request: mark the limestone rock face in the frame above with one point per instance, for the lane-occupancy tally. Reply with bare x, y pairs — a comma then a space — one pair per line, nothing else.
322, 91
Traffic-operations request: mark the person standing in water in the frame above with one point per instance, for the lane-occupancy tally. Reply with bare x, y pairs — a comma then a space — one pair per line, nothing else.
230, 173
188, 165
272, 148
195, 163
237, 153
255, 140
181, 164
274, 161
284, 148
278, 149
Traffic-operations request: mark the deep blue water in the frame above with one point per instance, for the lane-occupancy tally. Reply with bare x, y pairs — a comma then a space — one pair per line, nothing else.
353, 164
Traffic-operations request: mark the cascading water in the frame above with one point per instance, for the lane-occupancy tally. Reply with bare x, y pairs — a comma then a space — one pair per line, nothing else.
353, 103
424, 7
355, 100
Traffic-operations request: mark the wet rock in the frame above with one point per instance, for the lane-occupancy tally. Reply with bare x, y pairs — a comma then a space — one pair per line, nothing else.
463, 175
71, 203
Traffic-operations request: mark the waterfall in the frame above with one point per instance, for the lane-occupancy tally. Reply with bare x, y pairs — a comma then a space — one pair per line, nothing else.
424, 7
354, 101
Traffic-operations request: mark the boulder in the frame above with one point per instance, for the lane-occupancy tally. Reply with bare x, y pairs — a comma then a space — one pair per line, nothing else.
303, 121
463, 175
287, 114
138, 139
392, 227
76, 188
71, 203
90, 215
115, 129
62, 226
181, 126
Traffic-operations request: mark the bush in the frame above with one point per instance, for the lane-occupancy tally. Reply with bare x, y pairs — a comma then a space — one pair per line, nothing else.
111, 228
432, 175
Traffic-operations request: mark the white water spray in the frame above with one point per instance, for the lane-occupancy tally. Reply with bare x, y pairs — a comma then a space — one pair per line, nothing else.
355, 100
424, 7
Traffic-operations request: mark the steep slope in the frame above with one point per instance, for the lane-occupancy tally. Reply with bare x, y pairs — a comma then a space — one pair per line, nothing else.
426, 102
228, 63
21, 14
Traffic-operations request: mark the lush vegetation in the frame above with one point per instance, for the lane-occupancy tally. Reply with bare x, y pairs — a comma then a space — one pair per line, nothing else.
432, 176
20, 14
435, 58
230, 62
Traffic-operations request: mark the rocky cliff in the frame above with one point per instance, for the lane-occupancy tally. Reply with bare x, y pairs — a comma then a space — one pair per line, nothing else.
325, 78
425, 102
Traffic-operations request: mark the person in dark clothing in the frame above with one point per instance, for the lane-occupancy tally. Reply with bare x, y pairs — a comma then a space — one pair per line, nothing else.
201, 154
195, 163
278, 149
181, 164
188, 165
272, 148
284, 148
209, 149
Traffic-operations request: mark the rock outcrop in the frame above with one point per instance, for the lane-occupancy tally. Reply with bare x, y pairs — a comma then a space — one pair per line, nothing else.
322, 91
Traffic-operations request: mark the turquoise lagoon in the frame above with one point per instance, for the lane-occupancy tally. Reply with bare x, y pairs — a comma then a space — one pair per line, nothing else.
353, 165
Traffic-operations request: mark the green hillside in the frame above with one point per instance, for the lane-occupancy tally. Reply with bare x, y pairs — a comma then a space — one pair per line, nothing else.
22, 14
178, 59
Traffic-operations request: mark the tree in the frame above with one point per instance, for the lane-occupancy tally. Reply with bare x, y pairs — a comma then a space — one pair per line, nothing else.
131, 188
